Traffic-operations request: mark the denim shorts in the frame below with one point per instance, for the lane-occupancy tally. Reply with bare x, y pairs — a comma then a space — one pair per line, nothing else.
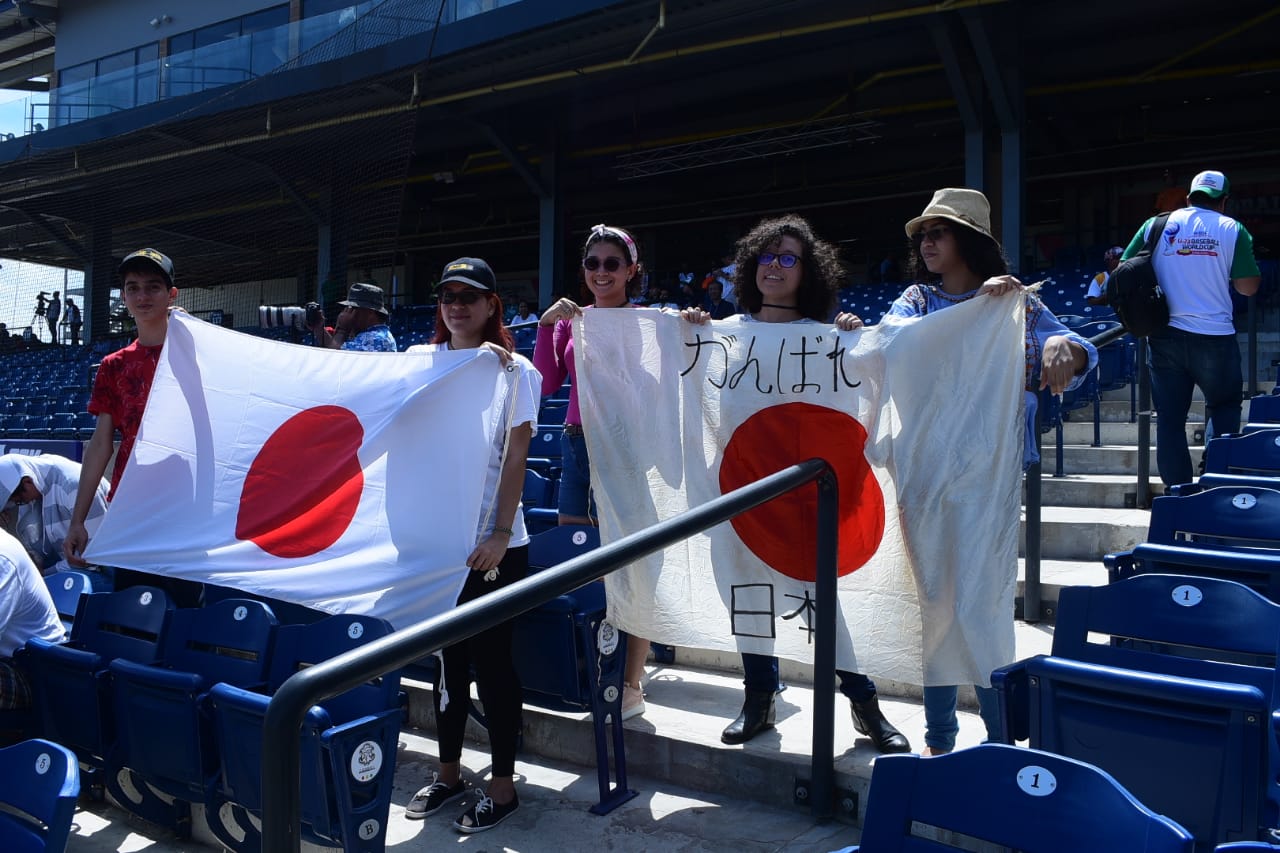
575, 477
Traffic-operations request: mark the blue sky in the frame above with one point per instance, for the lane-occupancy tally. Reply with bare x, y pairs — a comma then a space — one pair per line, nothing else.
13, 110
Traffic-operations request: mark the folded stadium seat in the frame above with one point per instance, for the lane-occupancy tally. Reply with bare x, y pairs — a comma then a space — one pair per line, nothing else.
13, 426
544, 450
1230, 532
86, 423
1265, 408
165, 745
540, 502
1030, 800
1250, 459
39, 784
348, 749
571, 658
65, 588
552, 414
70, 682
1169, 684
62, 425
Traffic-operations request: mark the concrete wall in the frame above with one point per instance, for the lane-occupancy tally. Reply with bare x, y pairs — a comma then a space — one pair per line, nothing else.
89, 29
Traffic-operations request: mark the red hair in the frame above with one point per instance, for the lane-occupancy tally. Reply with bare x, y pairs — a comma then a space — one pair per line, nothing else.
495, 331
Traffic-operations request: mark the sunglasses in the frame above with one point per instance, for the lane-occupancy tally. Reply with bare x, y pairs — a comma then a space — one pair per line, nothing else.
610, 264
786, 260
466, 297
933, 235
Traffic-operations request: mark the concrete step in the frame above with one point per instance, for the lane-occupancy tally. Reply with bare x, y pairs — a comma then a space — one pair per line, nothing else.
1108, 459
1116, 491
689, 703
1086, 534
1116, 411
1080, 431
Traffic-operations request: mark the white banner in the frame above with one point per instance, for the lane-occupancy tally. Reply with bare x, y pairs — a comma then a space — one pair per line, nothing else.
922, 421
346, 481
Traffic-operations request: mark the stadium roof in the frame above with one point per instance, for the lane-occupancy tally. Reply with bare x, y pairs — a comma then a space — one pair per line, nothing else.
27, 31
719, 111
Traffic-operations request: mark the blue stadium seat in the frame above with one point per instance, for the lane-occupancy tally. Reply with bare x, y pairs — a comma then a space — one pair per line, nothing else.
86, 423
69, 682
570, 658
164, 737
66, 587
62, 426
539, 491
544, 450
39, 784
348, 745
1167, 697
552, 414
1027, 800
13, 426
1230, 532
1264, 409
1251, 455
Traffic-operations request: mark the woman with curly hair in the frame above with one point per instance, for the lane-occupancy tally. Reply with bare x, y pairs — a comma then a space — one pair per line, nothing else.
785, 274
612, 272
955, 258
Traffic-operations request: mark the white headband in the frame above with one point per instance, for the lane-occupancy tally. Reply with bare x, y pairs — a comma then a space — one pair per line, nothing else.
603, 230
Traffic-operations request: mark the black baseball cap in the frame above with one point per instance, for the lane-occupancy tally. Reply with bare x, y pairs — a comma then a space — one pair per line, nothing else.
157, 259
470, 271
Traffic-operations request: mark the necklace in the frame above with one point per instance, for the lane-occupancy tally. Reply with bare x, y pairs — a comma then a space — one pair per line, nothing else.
783, 307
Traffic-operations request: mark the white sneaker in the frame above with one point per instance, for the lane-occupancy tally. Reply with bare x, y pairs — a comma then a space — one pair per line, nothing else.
632, 701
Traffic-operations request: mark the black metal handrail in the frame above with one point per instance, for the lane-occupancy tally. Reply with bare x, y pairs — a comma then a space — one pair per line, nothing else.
283, 724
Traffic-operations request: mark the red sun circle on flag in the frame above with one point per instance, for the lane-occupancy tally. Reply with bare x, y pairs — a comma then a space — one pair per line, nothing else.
303, 487
783, 532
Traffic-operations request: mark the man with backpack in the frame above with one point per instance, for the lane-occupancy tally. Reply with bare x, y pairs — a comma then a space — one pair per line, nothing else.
1199, 257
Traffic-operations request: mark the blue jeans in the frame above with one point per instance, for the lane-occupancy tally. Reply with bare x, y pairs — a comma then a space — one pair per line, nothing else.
761, 673
941, 725
575, 477
1179, 361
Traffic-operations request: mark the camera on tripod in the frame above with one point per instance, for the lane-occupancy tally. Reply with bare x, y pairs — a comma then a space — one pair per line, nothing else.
41, 298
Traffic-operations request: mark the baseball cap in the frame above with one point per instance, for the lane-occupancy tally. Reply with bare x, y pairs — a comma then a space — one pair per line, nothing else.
470, 271
158, 259
1212, 184
1113, 252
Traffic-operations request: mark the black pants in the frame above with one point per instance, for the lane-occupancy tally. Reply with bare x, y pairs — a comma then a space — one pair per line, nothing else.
489, 652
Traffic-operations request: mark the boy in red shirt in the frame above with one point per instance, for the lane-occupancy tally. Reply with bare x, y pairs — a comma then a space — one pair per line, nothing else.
122, 384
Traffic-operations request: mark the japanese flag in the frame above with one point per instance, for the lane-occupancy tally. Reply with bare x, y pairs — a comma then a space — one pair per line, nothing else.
345, 481
920, 420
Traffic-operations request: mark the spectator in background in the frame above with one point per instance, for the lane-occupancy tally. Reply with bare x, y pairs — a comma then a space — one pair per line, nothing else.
725, 275
1202, 255
469, 316
716, 305
52, 313
74, 321
1097, 292
612, 272
41, 492
1171, 197
362, 323
524, 314
662, 299
785, 274
26, 611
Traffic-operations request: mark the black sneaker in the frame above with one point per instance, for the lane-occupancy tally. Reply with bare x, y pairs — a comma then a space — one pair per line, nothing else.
485, 814
432, 798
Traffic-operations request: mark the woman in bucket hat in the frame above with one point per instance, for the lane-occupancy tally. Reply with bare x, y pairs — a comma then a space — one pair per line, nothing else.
955, 258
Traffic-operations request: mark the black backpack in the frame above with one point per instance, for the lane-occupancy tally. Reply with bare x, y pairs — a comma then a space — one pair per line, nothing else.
1133, 291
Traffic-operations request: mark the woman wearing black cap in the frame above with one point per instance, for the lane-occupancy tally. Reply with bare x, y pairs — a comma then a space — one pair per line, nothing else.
469, 316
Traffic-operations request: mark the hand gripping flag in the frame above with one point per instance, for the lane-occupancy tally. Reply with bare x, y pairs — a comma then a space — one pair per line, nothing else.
921, 421
345, 481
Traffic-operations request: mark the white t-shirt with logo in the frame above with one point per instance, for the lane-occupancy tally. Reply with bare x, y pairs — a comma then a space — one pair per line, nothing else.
1195, 259
525, 396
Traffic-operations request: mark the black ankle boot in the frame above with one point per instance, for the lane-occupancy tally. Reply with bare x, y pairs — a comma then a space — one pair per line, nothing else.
757, 715
868, 720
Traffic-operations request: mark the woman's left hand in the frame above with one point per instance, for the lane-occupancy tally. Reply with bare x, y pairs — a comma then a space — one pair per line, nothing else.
504, 357
999, 285
1060, 363
847, 322
489, 553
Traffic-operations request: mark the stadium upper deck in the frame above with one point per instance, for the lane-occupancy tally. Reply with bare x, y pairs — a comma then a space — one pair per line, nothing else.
395, 135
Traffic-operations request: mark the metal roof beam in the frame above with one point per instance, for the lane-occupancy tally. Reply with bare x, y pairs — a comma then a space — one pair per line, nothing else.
37, 12
43, 224
25, 50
